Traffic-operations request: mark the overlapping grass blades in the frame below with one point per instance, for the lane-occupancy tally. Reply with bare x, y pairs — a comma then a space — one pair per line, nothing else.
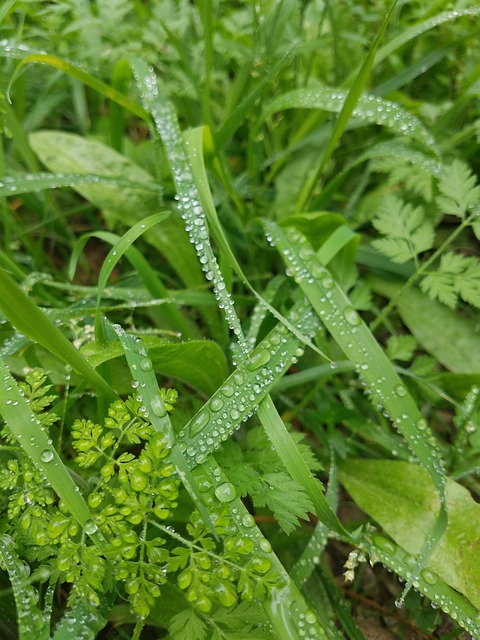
28, 430
30, 320
383, 385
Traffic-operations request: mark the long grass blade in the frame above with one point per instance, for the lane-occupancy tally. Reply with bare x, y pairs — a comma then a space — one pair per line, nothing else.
348, 107
26, 427
383, 385
30, 320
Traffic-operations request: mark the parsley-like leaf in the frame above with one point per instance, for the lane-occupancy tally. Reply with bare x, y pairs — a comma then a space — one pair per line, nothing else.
407, 232
186, 625
456, 276
459, 191
284, 497
401, 347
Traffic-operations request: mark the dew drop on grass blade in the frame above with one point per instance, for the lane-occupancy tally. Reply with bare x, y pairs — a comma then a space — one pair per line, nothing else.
189, 204
153, 408
382, 384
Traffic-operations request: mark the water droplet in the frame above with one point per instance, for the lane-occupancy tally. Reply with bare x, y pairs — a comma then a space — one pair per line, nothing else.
146, 364
90, 527
265, 545
198, 423
248, 521
258, 359
227, 390
226, 492
400, 390
216, 404
351, 316
429, 577
46, 455
158, 407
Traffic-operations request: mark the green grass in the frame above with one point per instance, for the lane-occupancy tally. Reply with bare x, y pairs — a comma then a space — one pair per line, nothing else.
239, 296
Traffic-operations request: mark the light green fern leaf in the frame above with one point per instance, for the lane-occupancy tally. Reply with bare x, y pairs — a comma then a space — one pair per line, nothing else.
407, 232
457, 277
458, 189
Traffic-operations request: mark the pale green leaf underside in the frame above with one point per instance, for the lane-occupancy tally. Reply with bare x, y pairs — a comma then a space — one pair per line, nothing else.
451, 338
402, 498
62, 152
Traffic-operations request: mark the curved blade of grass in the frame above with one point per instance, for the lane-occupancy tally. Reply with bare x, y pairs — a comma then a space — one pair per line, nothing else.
151, 281
82, 76
114, 256
382, 383
346, 112
26, 427
194, 139
27, 318
416, 30
26, 183
240, 396
370, 109
141, 368
383, 550
32, 625
166, 126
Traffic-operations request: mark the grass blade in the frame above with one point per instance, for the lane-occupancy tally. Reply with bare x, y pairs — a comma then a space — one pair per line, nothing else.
114, 256
149, 277
32, 625
348, 107
28, 319
154, 409
382, 383
23, 423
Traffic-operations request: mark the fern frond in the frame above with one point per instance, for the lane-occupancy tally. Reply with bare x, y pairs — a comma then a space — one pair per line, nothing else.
458, 189
407, 232
457, 276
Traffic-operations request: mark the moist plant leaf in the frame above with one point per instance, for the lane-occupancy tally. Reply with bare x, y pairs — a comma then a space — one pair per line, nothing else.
457, 276
199, 363
452, 339
407, 233
401, 497
62, 152
401, 347
187, 625
458, 189
284, 497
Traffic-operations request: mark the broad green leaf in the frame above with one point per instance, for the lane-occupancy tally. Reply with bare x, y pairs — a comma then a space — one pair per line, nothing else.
402, 498
121, 205
199, 363
62, 152
448, 336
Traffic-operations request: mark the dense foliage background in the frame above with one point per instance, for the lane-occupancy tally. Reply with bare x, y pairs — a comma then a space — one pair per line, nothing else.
239, 255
